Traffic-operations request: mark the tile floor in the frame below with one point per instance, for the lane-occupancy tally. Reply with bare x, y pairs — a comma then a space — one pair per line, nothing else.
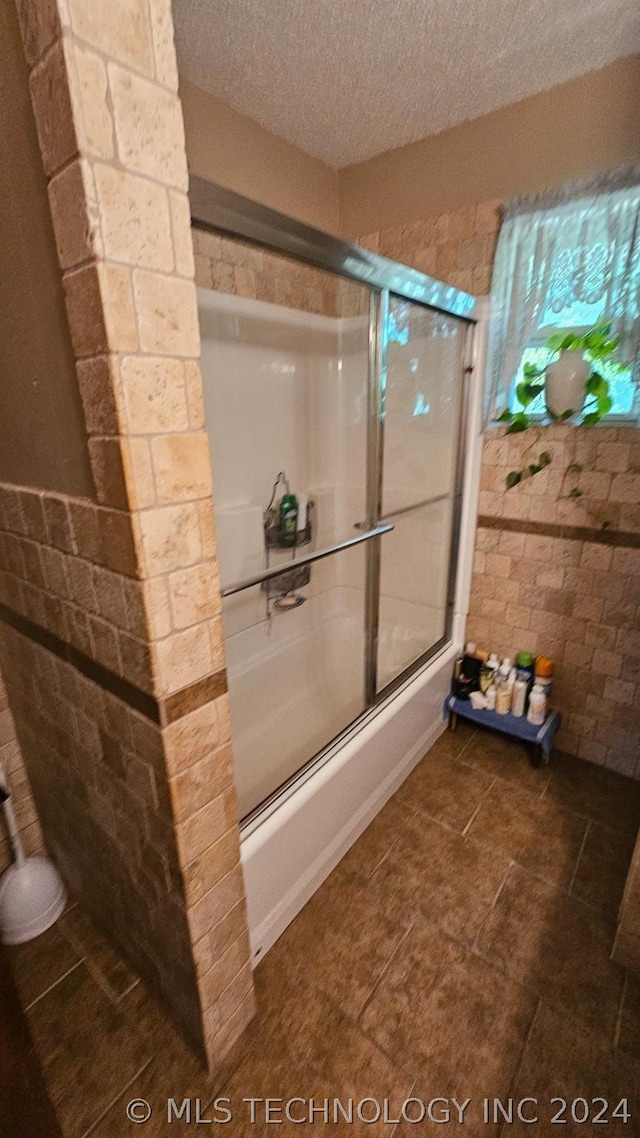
460, 950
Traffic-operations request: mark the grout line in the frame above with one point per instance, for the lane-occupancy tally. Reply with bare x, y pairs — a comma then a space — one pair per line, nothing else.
473, 817
54, 985
475, 944
119, 1095
623, 998
368, 998
579, 857
516, 1073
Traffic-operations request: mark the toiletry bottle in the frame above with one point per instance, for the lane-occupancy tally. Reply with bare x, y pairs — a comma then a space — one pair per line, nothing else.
288, 516
537, 706
488, 672
519, 697
491, 698
524, 669
544, 674
504, 688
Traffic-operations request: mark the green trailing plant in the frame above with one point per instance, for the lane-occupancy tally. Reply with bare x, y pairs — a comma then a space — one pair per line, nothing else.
600, 347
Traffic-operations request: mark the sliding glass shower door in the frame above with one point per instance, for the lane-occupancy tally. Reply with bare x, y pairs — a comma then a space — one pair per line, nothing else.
343, 385
421, 403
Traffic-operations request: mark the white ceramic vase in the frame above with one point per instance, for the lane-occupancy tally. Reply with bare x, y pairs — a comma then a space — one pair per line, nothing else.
565, 380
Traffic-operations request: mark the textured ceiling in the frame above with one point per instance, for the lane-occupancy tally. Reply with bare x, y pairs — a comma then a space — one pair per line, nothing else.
348, 79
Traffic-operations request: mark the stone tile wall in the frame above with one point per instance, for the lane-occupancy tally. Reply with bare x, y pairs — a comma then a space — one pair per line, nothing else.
111, 635
547, 574
240, 269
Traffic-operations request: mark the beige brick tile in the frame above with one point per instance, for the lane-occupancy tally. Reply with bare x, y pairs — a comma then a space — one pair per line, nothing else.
200, 783
201, 829
118, 541
626, 488
462, 279
167, 314
215, 905
202, 271
448, 259
217, 1017
194, 392
596, 557
74, 211
182, 658
52, 108
425, 260
613, 457
157, 607
519, 616
119, 29
481, 280
200, 876
58, 519
193, 737
488, 215
206, 244
462, 222
154, 396
606, 663
163, 46
170, 537
149, 128
224, 971
194, 595
619, 691
181, 466
137, 664
108, 472
134, 218
97, 379
497, 565
216, 636
100, 309
40, 26
138, 471
181, 230
90, 97
106, 645
588, 608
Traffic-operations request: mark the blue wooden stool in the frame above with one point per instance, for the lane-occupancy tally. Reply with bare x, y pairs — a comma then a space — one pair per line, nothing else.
540, 739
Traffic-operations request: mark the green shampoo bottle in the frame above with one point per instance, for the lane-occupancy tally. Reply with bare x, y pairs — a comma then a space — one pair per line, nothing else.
288, 519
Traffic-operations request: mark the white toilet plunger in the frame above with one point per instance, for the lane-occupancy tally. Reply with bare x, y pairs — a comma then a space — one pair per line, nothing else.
32, 895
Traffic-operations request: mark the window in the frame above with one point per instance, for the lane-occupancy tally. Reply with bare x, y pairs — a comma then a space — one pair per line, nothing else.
565, 260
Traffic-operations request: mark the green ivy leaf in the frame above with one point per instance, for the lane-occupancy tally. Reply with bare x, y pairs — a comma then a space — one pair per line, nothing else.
591, 419
574, 468
566, 415
575, 493
517, 427
605, 403
513, 477
544, 459
505, 417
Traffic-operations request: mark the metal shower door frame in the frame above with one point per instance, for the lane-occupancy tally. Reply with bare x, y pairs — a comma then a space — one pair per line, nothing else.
221, 211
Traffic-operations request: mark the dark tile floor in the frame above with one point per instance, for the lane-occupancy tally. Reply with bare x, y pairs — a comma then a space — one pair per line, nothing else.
460, 951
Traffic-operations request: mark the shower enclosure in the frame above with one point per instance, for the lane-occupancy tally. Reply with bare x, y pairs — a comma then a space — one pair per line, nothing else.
348, 374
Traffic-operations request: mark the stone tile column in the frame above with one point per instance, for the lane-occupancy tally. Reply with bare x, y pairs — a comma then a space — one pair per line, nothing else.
113, 647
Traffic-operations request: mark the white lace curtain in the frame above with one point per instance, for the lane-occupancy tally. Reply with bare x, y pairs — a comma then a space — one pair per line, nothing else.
581, 243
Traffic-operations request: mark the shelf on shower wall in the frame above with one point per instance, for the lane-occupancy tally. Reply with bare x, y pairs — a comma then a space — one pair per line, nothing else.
273, 539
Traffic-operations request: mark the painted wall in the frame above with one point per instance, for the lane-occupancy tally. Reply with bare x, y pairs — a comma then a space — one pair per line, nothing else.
228, 148
43, 441
570, 131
